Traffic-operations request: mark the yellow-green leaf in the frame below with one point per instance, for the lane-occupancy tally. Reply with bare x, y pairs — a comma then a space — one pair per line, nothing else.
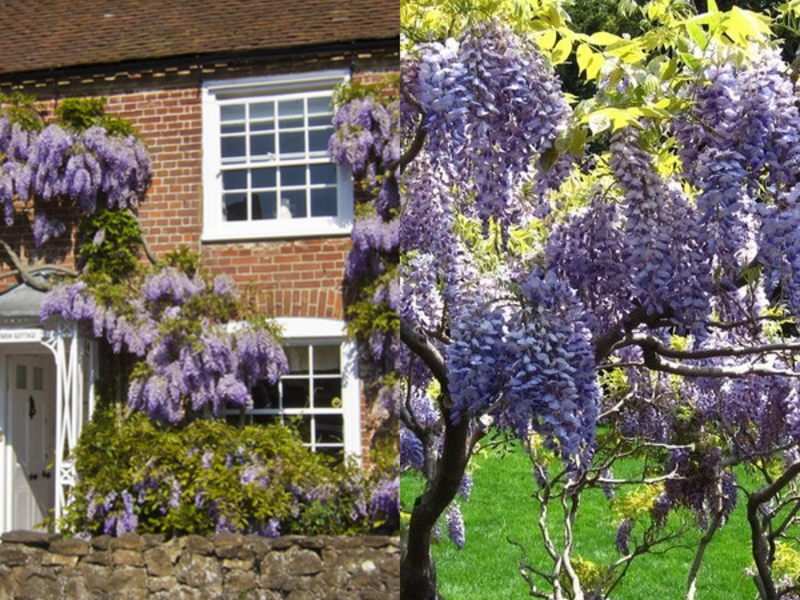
604, 38
712, 6
595, 65
562, 51
598, 122
584, 56
547, 40
698, 35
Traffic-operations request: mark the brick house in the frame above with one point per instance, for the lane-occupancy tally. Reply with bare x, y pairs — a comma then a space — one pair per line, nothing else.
232, 98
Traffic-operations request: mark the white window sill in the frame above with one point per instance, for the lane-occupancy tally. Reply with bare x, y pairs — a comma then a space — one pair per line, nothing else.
277, 230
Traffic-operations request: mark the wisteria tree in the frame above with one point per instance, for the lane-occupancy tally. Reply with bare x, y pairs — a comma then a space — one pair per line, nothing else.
606, 280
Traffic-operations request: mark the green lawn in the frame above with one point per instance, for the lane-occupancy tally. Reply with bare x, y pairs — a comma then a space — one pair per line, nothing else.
501, 508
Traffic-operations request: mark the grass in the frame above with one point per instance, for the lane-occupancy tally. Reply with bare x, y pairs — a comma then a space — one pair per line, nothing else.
501, 509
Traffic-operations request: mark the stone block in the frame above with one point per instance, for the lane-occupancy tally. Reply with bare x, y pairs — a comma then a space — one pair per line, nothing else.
198, 571
38, 539
126, 578
239, 582
102, 542
161, 560
59, 560
236, 564
99, 558
70, 547
157, 584
304, 562
199, 545
127, 541
131, 558
96, 577
15, 555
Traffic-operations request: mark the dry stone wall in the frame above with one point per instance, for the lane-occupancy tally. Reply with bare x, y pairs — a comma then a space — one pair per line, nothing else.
38, 566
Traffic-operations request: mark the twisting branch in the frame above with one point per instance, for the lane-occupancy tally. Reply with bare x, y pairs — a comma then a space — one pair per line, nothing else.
420, 345
656, 362
760, 548
23, 271
647, 341
419, 136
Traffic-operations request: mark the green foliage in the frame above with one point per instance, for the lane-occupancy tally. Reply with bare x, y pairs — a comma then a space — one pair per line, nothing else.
23, 110
386, 88
111, 244
82, 113
211, 476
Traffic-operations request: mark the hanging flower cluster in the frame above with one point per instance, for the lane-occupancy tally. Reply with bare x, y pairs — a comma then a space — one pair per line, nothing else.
60, 168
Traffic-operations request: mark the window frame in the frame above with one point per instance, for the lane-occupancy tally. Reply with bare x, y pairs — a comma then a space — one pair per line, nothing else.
303, 331
217, 93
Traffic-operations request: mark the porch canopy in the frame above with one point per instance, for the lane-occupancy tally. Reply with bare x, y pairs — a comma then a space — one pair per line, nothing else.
75, 366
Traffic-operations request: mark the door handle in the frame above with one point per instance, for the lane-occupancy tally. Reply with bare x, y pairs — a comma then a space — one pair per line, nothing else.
33, 477
46, 474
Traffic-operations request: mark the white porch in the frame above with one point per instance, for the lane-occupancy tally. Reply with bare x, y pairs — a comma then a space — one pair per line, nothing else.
46, 384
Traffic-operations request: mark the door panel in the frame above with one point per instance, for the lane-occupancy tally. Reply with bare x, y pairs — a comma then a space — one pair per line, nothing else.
32, 439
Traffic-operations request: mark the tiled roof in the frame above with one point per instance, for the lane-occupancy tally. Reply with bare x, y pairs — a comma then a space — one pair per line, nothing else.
40, 35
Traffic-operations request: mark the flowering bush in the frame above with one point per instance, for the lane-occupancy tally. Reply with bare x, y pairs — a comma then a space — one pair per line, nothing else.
212, 477
173, 321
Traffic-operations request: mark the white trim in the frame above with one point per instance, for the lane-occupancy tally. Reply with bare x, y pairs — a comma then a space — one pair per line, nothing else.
215, 229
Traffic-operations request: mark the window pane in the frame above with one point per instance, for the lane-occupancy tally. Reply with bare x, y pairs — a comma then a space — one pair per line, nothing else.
22, 377
234, 207
234, 180
326, 359
330, 429
318, 139
303, 427
323, 173
264, 205
232, 112
319, 105
262, 110
290, 108
264, 178
38, 378
296, 393
293, 176
320, 121
261, 145
233, 147
266, 395
262, 126
295, 201
292, 142
323, 202
233, 128
298, 359
327, 393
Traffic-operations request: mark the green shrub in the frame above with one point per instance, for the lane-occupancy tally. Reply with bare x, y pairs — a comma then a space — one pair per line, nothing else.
210, 477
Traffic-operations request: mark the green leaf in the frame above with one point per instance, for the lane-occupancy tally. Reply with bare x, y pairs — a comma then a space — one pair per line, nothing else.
547, 40
562, 51
595, 65
598, 122
697, 35
583, 56
604, 38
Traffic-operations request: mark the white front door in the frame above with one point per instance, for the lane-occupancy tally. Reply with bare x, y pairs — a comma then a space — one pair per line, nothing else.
31, 402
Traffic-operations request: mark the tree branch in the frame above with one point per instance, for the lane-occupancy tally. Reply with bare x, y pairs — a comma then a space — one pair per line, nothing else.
23, 271
420, 345
647, 341
654, 361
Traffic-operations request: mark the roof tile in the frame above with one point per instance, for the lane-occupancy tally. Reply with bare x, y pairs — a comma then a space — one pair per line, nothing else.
50, 34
